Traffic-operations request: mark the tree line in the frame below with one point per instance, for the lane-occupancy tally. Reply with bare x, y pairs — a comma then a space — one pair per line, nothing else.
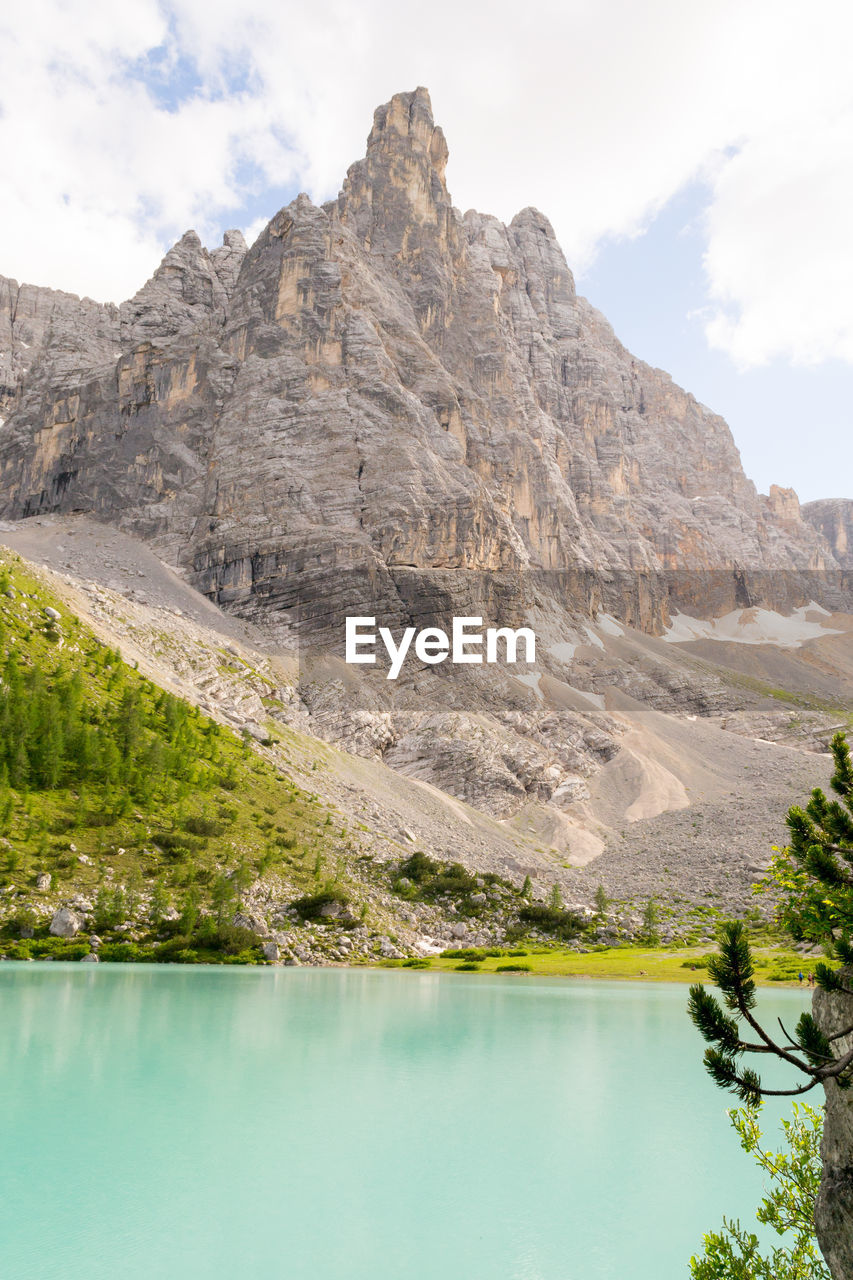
56, 732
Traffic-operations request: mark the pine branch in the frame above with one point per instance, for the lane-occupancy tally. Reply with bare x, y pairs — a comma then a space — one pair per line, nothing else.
819, 862
842, 780
711, 1022
828, 979
812, 1041
732, 971
715, 1027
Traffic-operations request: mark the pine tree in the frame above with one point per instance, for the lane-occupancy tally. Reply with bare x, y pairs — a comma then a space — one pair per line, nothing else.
222, 898
133, 891
815, 874
190, 911
650, 933
815, 877
160, 902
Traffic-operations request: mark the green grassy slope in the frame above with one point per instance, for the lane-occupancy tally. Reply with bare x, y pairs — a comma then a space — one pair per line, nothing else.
132, 799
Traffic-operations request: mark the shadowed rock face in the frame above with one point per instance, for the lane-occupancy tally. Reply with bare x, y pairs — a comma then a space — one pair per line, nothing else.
378, 394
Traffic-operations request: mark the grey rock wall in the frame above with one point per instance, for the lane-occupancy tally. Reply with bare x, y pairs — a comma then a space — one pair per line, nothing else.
833, 519
378, 395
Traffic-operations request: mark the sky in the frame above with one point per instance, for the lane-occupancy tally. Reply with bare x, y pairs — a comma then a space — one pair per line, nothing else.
695, 159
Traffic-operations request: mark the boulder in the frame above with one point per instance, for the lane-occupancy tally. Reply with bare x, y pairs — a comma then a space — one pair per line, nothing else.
255, 730
250, 920
43, 880
65, 923
271, 952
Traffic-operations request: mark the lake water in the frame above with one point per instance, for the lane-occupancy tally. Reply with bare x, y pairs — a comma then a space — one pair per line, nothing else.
168, 1122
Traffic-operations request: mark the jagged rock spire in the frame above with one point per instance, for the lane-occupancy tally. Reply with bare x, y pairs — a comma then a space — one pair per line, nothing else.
400, 182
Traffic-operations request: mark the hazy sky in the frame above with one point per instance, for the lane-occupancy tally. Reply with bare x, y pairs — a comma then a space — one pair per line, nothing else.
696, 160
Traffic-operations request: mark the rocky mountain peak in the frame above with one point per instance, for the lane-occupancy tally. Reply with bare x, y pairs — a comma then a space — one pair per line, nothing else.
185, 295
783, 504
228, 258
381, 390
400, 184
405, 124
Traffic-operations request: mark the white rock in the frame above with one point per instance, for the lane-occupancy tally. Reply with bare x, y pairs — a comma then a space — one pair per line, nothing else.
65, 923
255, 730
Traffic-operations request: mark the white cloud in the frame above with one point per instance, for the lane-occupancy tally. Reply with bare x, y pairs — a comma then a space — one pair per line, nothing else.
779, 257
597, 111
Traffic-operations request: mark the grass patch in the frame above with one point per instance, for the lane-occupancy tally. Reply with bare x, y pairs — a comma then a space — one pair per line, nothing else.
641, 964
130, 796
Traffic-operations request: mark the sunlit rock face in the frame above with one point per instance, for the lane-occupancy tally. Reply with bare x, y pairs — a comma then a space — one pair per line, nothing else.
377, 394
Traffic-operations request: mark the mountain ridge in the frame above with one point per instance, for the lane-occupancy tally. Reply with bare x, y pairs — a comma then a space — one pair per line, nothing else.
387, 407
383, 387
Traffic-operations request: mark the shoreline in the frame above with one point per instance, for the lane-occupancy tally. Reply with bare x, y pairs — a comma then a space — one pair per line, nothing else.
774, 967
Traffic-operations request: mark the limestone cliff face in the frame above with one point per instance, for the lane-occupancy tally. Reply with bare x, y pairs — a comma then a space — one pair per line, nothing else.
380, 394
41, 327
833, 518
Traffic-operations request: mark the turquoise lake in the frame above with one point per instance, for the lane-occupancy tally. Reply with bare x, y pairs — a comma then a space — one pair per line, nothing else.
167, 1122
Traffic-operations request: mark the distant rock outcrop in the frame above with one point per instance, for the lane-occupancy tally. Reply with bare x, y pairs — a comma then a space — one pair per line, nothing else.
833, 518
